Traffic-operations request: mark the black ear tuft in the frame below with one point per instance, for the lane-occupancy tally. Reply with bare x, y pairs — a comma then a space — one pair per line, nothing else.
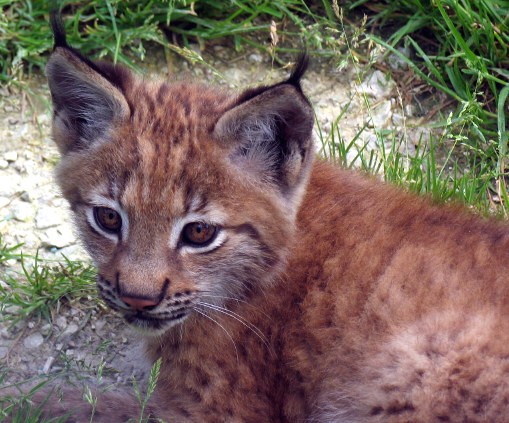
57, 27
298, 71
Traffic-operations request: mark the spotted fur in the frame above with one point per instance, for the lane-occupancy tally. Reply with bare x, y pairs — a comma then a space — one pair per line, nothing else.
324, 296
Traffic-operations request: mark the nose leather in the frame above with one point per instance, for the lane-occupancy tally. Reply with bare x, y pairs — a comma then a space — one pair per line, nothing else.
139, 303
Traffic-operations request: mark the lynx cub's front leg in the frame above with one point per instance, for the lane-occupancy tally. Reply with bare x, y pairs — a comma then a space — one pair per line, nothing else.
274, 288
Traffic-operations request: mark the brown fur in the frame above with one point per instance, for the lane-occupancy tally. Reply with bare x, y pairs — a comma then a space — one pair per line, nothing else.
344, 299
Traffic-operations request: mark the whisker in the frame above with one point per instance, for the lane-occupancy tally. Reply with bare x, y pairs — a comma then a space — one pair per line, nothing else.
222, 327
239, 301
241, 320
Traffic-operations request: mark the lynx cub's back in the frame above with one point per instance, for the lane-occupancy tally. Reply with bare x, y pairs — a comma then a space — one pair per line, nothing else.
276, 288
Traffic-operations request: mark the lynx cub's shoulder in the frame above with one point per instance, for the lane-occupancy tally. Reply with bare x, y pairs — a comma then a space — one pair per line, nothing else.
276, 288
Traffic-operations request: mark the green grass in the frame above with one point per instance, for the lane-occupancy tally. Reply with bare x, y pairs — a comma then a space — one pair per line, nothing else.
41, 287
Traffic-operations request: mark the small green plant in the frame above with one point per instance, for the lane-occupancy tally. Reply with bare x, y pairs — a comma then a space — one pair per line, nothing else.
42, 287
143, 401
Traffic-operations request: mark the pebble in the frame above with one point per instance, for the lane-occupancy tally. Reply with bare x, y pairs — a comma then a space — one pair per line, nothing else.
33, 341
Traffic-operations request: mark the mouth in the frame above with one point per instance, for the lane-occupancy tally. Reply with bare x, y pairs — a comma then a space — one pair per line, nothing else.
153, 325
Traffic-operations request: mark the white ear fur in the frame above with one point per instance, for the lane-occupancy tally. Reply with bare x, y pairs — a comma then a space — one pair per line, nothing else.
86, 104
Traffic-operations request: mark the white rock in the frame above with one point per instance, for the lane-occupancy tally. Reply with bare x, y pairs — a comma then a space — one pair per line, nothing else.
23, 212
4, 164
59, 237
47, 217
377, 85
11, 156
33, 341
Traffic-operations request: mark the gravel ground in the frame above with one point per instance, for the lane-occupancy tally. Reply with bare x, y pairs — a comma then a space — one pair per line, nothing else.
32, 211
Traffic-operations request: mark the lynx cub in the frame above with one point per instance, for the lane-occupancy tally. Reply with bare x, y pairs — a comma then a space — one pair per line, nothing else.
276, 288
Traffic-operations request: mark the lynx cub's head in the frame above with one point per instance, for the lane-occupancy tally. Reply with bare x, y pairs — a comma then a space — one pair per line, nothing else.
182, 194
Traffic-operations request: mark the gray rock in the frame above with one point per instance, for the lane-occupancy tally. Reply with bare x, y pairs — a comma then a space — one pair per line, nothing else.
47, 217
33, 341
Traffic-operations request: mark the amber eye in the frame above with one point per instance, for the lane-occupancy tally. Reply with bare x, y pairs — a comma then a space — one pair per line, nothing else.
108, 219
198, 233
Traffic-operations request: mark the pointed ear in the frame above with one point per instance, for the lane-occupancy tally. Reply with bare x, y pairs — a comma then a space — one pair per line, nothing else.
86, 101
269, 134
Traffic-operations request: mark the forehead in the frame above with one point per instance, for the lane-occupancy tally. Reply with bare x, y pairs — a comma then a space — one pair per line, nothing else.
165, 153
